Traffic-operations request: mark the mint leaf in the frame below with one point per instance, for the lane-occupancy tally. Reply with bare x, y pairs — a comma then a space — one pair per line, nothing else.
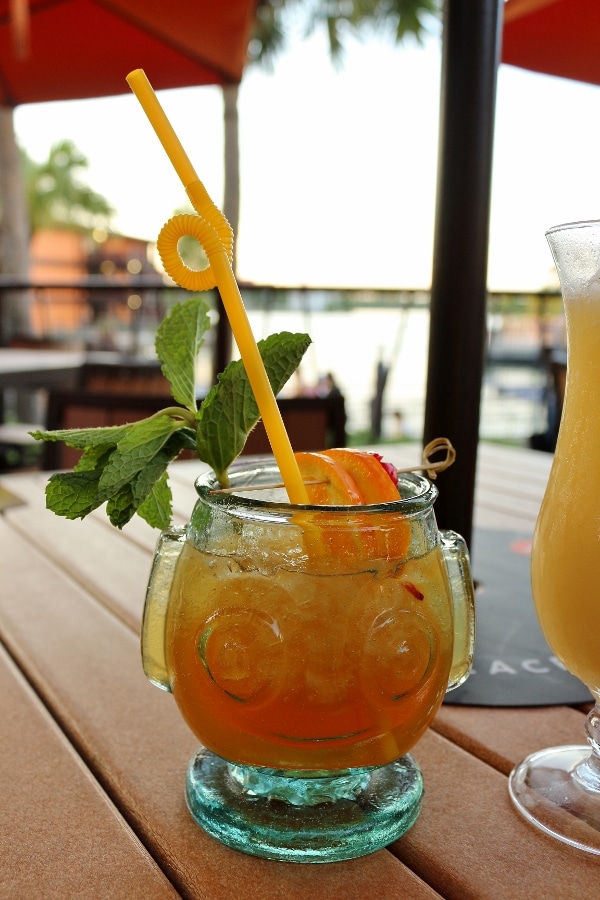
178, 342
120, 508
225, 418
188, 438
131, 496
139, 446
126, 465
73, 494
282, 354
82, 438
94, 458
151, 473
230, 411
156, 509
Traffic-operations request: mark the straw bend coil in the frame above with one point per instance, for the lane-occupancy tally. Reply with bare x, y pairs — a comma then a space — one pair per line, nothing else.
205, 207
168, 249
210, 228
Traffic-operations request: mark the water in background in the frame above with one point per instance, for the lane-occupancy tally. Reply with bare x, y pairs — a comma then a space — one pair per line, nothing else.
355, 330
349, 343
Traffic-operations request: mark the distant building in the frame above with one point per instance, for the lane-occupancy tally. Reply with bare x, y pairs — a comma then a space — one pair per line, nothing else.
58, 257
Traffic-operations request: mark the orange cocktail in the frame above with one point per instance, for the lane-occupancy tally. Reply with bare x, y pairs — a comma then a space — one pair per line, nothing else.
282, 653
283, 661
308, 648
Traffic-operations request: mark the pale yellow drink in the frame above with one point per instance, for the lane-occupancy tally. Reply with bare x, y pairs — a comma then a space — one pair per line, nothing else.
565, 565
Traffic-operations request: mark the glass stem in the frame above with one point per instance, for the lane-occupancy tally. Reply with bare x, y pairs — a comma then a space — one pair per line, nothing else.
292, 787
588, 772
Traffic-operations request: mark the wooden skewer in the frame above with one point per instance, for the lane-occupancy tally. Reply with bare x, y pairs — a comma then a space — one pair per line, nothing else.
257, 487
432, 468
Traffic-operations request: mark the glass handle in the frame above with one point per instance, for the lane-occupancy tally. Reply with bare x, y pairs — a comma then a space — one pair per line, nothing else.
169, 546
456, 557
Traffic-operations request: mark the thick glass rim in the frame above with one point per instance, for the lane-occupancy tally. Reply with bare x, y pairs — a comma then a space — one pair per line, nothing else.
568, 226
252, 474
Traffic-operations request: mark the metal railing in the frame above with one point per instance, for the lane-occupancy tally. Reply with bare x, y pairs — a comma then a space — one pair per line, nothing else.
373, 341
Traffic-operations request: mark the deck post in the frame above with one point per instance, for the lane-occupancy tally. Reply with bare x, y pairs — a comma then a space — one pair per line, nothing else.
470, 55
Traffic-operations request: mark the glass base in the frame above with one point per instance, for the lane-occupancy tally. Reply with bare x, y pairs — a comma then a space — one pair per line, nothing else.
300, 816
558, 791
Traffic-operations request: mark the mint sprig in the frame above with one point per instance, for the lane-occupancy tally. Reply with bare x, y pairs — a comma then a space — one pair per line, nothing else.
230, 412
178, 343
125, 466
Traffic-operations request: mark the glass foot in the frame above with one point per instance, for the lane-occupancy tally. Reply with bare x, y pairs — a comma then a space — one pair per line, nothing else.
558, 790
303, 817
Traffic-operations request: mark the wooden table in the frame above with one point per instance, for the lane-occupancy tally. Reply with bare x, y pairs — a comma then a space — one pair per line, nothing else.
25, 368
93, 757
38, 368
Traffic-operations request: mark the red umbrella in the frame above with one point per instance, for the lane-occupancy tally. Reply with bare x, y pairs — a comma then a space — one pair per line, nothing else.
558, 37
73, 49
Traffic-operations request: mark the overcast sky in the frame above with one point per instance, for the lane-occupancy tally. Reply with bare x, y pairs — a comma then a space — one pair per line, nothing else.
339, 166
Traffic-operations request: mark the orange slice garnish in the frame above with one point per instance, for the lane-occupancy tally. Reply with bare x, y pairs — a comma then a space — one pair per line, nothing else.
327, 483
370, 477
344, 477
392, 537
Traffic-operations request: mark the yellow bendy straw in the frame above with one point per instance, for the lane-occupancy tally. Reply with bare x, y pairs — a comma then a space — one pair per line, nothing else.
211, 229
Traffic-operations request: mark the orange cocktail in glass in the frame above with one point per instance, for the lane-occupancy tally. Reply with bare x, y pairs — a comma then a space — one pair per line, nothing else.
297, 665
308, 648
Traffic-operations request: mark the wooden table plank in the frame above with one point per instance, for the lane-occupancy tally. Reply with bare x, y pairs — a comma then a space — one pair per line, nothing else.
83, 548
523, 510
89, 672
469, 842
528, 485
503, 736
518, 461
510, 486
85, 664
500, 520
61, 835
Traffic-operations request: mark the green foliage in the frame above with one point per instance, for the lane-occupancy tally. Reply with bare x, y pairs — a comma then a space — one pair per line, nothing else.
230, 411
338, 18
56, 194
125, 466
178, 342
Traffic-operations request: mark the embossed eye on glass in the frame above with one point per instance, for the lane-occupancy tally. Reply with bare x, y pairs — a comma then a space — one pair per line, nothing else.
308, 649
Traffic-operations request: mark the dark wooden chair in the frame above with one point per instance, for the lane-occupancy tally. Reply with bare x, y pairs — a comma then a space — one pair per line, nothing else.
313, 423
83, 409
123, 377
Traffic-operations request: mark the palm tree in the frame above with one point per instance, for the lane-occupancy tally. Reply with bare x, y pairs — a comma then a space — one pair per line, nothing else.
56, 195
399, 18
